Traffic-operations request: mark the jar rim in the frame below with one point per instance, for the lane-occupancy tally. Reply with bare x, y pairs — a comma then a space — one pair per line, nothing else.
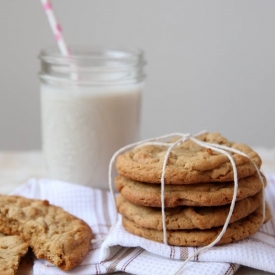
132, 56
88, 65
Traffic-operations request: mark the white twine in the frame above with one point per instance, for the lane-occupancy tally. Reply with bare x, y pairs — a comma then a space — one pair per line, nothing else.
110, 170
222, 149
160, 141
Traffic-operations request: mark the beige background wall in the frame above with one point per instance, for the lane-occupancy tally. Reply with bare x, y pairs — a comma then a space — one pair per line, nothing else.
211, 64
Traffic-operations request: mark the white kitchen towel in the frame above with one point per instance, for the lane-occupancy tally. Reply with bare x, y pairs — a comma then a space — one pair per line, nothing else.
122, 251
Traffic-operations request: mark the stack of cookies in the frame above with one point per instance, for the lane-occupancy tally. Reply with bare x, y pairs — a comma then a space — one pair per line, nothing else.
199, 187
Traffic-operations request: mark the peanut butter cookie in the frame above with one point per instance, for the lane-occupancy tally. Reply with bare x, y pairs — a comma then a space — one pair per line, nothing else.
235, 231
52, 233
200, 194
183, 217
12, 249
187, 163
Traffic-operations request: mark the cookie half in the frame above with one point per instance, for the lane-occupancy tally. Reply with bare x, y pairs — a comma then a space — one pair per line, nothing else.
187, 163
235, 231
200, 194
12, 249
52, 233
183, 217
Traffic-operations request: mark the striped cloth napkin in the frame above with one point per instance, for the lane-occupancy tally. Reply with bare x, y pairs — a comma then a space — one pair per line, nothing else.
122, 251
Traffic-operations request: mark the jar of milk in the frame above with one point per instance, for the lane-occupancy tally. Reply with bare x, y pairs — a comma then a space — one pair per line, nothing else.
90, 107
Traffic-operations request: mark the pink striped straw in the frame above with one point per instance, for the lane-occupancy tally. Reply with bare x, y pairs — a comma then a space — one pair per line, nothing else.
56, 27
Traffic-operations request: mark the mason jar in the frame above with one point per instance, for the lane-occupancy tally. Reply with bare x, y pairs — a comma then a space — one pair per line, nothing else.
90, 107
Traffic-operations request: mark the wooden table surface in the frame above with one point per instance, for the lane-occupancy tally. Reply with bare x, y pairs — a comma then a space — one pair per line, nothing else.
17, 168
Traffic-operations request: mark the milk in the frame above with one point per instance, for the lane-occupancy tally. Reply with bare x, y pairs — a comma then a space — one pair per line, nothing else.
83, 126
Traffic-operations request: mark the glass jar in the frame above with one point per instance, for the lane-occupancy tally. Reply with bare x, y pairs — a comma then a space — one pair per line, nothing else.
90, 107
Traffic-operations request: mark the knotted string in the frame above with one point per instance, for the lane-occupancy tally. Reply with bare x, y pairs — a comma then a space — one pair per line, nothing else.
160, 141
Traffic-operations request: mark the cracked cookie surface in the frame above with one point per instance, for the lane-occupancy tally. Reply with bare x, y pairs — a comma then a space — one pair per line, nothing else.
195, 237
187, 163
200, 194
52, 233
183, 217
12, 249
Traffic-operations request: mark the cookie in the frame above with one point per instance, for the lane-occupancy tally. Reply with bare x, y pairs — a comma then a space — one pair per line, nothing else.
52, 233
200, 194
187, 163
182, 217
12, 249
235, 231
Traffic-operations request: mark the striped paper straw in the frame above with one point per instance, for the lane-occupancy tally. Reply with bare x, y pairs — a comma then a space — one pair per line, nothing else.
56, 27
